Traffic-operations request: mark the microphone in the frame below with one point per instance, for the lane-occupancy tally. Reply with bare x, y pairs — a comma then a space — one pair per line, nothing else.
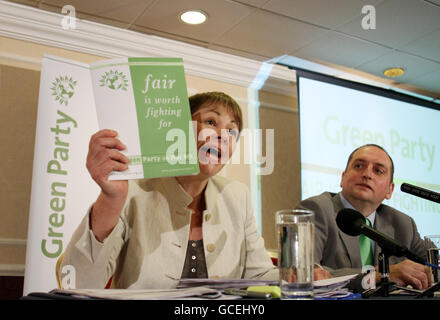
353, 223
420, 192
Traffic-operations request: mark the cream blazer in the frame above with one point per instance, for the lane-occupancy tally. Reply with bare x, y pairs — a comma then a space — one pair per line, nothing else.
147, 247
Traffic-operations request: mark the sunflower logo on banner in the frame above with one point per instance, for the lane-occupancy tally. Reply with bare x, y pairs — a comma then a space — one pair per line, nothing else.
114, 80
63, 89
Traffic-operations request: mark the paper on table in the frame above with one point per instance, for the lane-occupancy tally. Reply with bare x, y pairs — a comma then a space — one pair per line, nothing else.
337, 281
242, 283
153, 294
225, 283
197, 288
333, 288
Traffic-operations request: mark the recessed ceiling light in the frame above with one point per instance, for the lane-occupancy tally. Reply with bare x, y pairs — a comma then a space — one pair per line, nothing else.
394, 72
193, 16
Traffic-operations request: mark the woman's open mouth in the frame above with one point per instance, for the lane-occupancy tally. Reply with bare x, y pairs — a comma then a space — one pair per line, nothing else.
210, 153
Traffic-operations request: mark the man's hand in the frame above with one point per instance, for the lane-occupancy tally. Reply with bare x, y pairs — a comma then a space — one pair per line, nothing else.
319, 273
411, 273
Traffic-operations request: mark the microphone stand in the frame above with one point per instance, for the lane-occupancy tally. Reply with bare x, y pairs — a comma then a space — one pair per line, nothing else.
385, 286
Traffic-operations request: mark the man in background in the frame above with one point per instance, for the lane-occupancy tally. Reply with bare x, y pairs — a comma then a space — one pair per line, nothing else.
366, 182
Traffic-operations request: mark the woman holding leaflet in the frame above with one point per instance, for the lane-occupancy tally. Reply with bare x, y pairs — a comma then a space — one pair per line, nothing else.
150, 233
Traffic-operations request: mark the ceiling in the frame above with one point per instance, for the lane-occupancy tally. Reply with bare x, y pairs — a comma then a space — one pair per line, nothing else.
407, 32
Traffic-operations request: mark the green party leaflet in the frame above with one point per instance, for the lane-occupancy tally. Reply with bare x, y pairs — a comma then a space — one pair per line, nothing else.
145, 100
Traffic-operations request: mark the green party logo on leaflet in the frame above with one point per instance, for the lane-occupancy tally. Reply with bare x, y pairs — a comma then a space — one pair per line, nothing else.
63, 89
114, 80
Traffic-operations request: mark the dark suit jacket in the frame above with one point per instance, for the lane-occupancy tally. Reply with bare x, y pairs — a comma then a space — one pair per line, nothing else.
340, 252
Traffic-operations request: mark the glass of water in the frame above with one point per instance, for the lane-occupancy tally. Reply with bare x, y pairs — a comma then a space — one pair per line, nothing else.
432, 245
295, 230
